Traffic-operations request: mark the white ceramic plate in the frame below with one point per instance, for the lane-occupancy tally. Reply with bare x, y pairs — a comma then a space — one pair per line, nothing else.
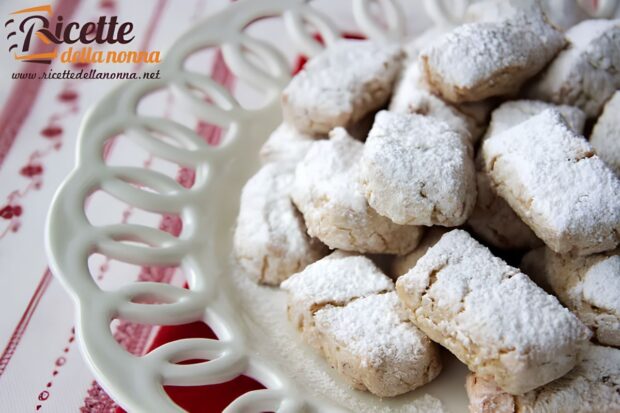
255, 338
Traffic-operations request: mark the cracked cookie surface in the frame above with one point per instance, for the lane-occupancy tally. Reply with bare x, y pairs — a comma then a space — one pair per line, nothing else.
591, 387
479, 60
493, 219
490, 315
334, 280
339, 86
373, 344
590, 287
270, 240
327, 192
552, 179
417, 170
587, 72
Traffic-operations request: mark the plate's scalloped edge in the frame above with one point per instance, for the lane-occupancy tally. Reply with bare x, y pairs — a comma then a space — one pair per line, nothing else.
137, 382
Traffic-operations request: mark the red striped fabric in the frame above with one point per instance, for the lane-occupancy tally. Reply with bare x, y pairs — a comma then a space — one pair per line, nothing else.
25, 91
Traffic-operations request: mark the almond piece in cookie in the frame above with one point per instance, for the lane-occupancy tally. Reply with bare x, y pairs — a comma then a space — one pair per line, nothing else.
605, 138
270, 239
587, 72
416, 170
342, 84
327, 192
589, 287
552, 179
490, 315
591, 387
334, 280
372, 343
480, 60
285, 144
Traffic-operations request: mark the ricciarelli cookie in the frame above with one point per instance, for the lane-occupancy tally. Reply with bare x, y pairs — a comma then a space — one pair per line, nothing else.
417, 170
492, 219
552, 179
339, 86
490, 315
327, 192
334, 280
270, 239
480, 60
375, 347
591, 387
587, 72
605, 138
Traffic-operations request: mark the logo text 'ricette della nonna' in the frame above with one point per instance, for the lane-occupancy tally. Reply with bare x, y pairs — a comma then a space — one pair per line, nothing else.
26, 26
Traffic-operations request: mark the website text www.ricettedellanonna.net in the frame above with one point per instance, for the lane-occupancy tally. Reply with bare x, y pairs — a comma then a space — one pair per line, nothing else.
85, 74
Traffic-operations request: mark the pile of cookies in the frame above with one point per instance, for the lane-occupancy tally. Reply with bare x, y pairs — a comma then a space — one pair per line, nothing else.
405, 177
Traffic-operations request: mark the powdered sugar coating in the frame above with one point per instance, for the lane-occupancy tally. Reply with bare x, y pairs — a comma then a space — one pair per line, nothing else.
513, 112
374, 345
587, 72
270, 239
416, 170
590, 287
334, 280
285, 144
551, 178
327, 192
605, 138
374, 328
337, 279
479, 60
341, 85
591, 387
412, 95
490, 315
